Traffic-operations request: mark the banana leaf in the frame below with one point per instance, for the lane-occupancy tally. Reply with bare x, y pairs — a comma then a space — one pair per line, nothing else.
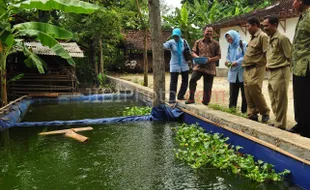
46, 34
7, 38
15, 78
33, 60
51, 30
73, 6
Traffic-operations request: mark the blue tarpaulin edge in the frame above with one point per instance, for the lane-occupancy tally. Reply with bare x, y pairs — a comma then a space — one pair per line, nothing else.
18, 110
159, 113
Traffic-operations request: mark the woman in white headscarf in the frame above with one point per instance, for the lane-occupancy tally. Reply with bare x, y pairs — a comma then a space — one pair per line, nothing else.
235, 54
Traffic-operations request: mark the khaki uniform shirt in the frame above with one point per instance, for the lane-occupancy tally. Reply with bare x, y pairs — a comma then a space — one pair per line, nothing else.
256, 51
206, 48
279, 51
301, 45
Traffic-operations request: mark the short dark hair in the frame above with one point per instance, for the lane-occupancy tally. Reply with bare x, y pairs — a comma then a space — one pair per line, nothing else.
253, 20
207, 26
272, 19
306, 2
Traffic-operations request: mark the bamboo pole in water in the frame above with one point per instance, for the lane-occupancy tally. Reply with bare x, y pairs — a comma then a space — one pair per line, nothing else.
76, 136
47, 95
66, 130
13, 102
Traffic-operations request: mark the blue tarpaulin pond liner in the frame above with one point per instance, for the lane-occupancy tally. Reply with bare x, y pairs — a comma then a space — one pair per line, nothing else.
159, 113
18, 110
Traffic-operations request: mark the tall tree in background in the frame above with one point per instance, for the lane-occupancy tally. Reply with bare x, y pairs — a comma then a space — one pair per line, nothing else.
158, 53
99, 33
145, 27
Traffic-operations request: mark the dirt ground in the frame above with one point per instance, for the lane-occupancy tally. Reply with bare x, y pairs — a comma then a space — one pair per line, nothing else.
220, 92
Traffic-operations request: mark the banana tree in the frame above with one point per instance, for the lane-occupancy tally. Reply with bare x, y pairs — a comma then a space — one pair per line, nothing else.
185, 22
11, 35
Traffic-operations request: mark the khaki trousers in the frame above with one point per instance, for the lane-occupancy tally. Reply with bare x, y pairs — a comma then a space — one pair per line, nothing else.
278, 87
253, 82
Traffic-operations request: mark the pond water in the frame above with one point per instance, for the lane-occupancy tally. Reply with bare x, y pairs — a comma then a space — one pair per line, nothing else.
119, 156
77, 110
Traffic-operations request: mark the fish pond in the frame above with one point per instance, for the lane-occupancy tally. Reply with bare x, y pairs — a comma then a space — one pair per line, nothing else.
133, 156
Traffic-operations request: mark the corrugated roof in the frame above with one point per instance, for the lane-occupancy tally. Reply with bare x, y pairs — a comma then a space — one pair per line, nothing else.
283, 9
72, 48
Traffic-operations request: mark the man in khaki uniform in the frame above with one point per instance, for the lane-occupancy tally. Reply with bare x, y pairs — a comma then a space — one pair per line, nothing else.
254, 64
278, 63
301, 69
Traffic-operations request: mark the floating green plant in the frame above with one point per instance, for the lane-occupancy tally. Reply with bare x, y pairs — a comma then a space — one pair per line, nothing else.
198, 149
135, 111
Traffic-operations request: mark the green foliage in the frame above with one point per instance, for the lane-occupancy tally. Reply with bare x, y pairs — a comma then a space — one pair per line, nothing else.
103, 24
47, 35
43, 32
138, 81
182, 19
74, 6
199, 13
199, 149
233, 111
137, 111
102, 79
15, 78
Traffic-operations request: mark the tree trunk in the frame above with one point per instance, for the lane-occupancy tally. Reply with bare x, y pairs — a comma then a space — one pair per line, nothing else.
101, 66
146, 63
92, 56
158, 53
4, 96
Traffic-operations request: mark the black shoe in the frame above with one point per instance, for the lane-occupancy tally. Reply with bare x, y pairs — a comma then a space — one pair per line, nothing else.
182, 98
189, 101
205, 103
292, 130
265, 118
253, 117
295, 129
304, 134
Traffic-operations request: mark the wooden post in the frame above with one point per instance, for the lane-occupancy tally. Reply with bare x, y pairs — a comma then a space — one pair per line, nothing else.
158, 53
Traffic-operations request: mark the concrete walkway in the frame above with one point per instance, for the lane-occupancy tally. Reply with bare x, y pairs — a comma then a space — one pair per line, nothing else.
220, 92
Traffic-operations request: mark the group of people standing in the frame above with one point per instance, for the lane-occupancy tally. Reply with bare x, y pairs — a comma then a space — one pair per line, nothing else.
267, 50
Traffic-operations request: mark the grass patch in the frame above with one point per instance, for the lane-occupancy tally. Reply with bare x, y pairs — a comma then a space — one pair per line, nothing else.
138, 81
234, 111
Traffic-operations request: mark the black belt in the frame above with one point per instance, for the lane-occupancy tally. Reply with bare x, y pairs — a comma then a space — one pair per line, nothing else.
250, 66
274, 69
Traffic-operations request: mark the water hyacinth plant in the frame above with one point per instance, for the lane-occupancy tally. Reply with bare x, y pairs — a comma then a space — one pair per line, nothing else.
137, 111
199, 149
